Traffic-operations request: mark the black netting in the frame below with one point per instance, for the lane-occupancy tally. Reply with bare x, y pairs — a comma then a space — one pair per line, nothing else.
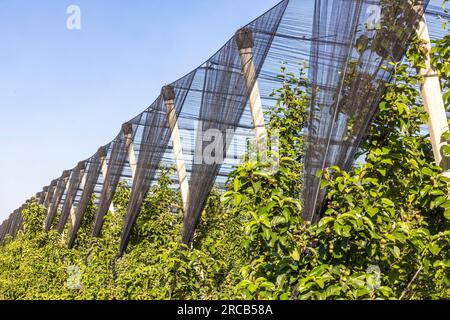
74, 184
153, 144
224, 99
116, 163
14, 222
8, 224
12, 225
349, 69
3, 230
56, 199
347, 53
6, 227
18, 222
40, 196
50, 193
92, 174
11, 222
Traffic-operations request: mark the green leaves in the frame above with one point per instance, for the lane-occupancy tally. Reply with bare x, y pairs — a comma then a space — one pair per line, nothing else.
387, 202
447, 213
236, 184
295, 255
446, 150
434, 248
428, 172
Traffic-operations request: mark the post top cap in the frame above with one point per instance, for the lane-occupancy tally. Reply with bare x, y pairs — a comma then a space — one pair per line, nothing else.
102, 152
127, 128
244, 38
81, 165
168, 93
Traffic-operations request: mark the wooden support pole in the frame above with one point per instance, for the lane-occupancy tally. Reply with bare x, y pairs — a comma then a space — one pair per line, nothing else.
432, 99
169, 101
128, 132
244, 40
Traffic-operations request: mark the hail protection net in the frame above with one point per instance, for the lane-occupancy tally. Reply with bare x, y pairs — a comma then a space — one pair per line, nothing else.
12, 225
18, 222
40, 196
349, 70
50, 193
56, 199
224, 98
74, 184
15, 221
12, 222
347, 45
3, 230
117, 159
92, 175
6, 227
153, 143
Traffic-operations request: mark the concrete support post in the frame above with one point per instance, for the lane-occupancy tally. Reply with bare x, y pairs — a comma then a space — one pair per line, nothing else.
56, 199
82, 172
73, 185
102, 153
128, 133
169, 101
244, 40
50, 193
39, 196
43, 195
432, 99
73, 209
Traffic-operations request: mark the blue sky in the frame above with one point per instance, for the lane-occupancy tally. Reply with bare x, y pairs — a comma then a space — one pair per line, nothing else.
63, 93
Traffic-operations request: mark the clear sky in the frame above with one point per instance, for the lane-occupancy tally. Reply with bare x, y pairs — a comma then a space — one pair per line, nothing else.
63, 93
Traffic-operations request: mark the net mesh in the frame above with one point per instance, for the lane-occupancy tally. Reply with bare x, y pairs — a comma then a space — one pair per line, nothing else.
72, 189
348, 74
347, 50
116, 163
223, 102
51, 193
56, 199
153, 144
92, 174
